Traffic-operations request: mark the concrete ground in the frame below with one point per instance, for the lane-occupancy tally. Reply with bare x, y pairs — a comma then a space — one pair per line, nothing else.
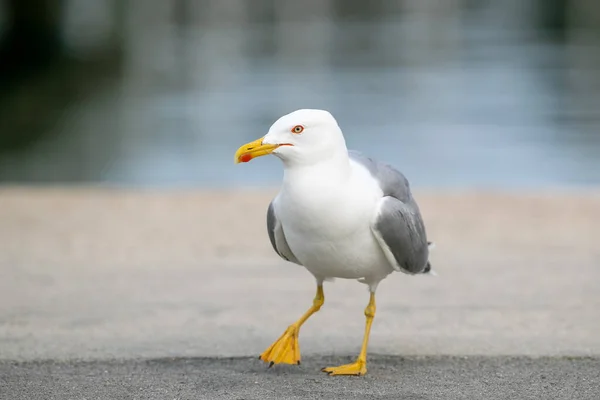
96, 279
389, 377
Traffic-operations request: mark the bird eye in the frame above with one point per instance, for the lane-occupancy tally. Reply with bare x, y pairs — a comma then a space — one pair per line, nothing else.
297, 129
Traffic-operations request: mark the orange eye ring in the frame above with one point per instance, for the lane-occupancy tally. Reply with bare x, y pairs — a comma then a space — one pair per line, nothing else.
297, 129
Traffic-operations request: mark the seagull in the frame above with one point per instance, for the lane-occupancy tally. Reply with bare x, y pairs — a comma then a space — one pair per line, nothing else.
338, 214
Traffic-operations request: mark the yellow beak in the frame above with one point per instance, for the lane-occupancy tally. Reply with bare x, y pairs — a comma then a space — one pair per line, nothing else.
253, 149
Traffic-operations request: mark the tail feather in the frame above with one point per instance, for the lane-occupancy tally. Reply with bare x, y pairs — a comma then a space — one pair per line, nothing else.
428, 270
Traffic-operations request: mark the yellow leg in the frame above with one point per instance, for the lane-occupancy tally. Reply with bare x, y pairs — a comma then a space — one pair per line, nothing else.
359, 367
286, 349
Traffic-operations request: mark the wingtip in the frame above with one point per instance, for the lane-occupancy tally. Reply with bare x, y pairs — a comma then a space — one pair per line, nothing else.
428, 270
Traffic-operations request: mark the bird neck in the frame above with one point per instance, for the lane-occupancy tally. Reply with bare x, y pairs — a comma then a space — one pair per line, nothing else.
325, 172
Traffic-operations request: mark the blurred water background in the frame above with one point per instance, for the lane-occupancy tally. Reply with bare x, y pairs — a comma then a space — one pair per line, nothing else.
160, 93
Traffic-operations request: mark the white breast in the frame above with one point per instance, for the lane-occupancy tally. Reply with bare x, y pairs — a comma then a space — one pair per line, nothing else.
327, 224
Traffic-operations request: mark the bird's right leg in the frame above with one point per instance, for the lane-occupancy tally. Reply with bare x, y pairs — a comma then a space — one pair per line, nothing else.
286, 349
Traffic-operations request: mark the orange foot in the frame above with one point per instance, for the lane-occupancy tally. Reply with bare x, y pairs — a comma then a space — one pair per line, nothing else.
284, 350
358, 368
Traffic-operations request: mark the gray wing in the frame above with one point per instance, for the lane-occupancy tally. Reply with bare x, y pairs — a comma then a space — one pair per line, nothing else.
398, 226
277, 236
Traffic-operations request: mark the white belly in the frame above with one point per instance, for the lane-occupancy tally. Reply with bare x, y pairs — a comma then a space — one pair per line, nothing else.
355, 256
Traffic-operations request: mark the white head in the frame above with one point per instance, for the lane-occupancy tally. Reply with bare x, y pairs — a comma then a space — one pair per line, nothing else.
301, 137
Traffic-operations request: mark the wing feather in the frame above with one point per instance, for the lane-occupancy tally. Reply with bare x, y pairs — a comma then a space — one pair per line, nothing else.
277, 236
398, 225
401, 234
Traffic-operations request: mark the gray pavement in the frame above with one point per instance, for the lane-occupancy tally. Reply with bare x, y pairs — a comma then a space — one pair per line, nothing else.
445, 378
91, 275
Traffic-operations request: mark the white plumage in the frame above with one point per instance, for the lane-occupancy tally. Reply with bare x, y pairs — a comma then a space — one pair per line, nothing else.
326, 213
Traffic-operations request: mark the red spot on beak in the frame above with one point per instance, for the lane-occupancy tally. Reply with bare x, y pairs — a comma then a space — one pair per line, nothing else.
245, 157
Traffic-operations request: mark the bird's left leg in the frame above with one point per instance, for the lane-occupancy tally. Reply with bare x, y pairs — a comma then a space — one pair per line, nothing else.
359, 367
286, 349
